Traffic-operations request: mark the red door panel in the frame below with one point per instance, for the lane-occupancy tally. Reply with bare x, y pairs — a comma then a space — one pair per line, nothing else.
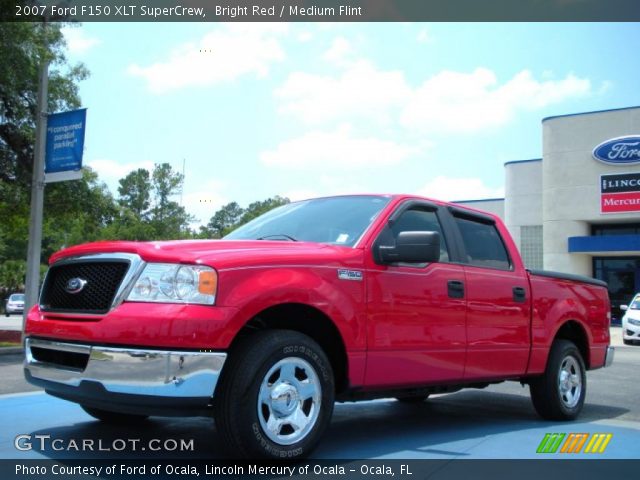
416, 332
497, 325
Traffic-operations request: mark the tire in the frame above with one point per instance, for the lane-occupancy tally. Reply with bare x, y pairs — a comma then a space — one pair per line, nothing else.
412, 400
559, 393
113, 417
275, 397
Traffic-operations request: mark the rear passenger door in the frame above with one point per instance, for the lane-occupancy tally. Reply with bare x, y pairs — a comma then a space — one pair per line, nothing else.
498, 299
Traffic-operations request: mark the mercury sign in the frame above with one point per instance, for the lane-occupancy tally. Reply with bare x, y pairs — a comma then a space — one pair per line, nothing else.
620, 193
619, 151
65, 144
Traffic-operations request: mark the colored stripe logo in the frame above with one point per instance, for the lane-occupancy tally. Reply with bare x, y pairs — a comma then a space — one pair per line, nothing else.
574, 443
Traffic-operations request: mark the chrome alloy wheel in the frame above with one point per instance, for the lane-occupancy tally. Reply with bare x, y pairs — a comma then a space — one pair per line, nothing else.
570, 381
289, 401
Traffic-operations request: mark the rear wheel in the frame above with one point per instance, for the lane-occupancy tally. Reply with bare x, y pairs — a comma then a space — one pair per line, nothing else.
113, 417
276, 396
559, 393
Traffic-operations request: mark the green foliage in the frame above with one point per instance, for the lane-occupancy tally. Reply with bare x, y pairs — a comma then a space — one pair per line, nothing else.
12, 276
223, 221
135, 193
232, 216
22, 47
168, 217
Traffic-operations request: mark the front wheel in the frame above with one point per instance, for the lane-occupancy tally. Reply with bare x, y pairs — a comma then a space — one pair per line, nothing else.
559, 393
276, 396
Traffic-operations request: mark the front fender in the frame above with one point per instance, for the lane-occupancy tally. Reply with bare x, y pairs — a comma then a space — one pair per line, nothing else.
253, 290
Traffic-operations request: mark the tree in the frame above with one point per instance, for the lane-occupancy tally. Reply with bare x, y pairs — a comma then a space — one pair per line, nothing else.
135, 192
223, 220
76, 212
22, 47
256, 209
169, 219
232, 216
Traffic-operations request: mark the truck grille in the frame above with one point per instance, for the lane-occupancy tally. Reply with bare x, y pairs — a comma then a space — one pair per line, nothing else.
102, 281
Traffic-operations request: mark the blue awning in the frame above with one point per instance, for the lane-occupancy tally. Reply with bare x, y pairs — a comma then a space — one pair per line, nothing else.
604, 243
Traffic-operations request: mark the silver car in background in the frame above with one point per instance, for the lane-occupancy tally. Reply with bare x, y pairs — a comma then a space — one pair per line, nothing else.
14, 304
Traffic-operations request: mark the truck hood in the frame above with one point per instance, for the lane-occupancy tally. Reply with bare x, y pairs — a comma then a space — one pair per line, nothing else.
220, 254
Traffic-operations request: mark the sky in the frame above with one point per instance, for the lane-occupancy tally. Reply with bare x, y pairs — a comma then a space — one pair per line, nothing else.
311, 109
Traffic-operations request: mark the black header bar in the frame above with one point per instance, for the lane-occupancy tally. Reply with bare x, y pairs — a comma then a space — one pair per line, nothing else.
619, 183
321, 10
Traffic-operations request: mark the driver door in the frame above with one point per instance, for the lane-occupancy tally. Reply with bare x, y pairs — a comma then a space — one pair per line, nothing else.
416, 330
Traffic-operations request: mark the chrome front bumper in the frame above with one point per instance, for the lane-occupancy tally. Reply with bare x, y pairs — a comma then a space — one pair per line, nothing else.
92, 374
608, 357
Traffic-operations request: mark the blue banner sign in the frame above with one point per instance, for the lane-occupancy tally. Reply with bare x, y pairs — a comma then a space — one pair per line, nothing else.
65, 141
619, 151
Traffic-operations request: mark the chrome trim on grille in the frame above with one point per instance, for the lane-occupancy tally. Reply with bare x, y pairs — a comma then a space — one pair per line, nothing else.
136, 266
159, 373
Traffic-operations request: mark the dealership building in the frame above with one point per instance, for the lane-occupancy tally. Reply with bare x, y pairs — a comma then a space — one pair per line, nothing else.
577, 209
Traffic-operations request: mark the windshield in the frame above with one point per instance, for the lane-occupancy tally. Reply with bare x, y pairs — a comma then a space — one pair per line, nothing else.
635, 304
18, 297
335, 220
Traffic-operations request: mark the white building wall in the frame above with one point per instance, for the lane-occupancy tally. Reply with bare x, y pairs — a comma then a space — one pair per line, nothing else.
523, 196
493, 205
571, 181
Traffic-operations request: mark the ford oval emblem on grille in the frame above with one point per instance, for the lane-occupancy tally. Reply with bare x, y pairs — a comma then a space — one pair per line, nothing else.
75, 285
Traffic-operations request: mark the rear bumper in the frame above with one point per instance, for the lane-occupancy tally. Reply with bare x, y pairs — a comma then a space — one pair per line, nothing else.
14, 309
129, 380
608, 357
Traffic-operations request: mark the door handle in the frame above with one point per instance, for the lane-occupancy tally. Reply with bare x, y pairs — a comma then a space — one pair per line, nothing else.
519, 294
455, 289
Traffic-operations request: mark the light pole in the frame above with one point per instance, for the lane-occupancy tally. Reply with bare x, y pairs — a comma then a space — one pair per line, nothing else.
32, 284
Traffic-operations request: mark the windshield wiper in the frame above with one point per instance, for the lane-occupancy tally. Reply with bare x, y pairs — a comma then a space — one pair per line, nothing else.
278, 235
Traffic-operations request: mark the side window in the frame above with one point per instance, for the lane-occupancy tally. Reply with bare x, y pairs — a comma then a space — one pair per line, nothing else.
483, 244
419, 221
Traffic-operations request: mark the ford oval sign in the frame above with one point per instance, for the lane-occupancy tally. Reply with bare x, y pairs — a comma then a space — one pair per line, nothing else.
619, 151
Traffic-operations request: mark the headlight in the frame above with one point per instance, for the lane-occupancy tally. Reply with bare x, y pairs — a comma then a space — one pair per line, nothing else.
171, 283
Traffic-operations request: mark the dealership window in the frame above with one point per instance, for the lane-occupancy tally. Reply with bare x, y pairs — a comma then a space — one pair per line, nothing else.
616, 229
531, 246
622, 275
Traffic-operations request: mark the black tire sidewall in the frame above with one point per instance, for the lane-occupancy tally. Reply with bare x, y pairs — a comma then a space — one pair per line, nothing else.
563, 350
246, 387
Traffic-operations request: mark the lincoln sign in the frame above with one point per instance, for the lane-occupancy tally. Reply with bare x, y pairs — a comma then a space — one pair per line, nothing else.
620, 193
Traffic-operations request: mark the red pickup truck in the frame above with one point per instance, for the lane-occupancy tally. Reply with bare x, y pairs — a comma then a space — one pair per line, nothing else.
332, 299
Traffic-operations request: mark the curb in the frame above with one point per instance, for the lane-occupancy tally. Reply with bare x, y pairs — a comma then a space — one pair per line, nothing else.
11, 350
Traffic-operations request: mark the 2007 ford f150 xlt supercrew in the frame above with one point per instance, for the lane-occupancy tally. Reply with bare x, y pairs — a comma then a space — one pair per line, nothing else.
339, 298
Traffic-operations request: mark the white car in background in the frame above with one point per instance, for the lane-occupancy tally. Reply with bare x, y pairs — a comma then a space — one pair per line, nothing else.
14, 304
631, 321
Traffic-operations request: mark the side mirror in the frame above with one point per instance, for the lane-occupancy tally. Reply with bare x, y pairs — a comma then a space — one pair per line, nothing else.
412, 247
624, 308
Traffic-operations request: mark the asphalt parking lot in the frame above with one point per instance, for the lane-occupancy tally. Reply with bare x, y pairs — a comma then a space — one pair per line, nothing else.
498, 422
